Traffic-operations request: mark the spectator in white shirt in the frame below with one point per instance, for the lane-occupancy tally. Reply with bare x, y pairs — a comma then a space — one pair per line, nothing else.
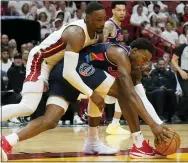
62, 8
71, 7
140, 3
139, 17
183, 38
77, 16
162, 6
5, 62
83, 6
180, 7
49, 9
170, 35
25, 11
158, 17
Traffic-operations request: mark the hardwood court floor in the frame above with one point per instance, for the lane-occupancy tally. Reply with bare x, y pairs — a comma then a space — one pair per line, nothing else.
64, 144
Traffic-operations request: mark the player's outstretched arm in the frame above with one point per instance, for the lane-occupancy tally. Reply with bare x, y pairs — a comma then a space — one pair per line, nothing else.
74, 38
118, 56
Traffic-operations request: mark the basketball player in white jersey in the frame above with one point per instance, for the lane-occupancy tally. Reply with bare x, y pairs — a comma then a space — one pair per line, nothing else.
114, 33
64, 43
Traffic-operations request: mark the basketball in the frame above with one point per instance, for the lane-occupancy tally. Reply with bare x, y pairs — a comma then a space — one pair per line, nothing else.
169, 146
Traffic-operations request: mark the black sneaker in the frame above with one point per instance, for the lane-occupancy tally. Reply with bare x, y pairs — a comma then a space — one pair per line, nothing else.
176, 120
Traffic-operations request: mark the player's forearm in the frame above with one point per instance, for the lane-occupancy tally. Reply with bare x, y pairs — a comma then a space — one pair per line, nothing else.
135, 102
70, 74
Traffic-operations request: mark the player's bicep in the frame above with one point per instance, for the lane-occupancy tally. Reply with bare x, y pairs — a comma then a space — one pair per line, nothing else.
108, 30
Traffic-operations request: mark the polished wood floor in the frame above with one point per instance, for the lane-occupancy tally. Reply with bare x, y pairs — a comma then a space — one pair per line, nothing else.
64, 144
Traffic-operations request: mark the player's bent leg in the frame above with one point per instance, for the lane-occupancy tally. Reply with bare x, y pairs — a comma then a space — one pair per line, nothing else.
56, 107
26, 107
93, 145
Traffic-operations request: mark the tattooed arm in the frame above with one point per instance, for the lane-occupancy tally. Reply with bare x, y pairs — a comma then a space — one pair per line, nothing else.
108, 30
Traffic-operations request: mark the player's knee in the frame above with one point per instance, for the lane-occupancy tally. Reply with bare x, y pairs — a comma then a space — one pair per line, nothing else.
50, 123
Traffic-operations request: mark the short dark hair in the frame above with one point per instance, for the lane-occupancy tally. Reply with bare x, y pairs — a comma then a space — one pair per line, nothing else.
93, 6
156, 6
114, 3
142, 44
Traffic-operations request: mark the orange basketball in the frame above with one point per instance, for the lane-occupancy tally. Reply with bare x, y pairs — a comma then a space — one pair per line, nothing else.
169, 146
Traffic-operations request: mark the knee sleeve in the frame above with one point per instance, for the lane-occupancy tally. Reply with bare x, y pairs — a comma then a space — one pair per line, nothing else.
93, 110
31, 101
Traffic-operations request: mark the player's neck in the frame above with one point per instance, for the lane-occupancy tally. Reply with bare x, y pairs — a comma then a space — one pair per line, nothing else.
116, 21
91, 33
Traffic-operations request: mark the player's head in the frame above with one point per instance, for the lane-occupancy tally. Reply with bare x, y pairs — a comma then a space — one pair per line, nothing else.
141, 52
118, 10
95, 16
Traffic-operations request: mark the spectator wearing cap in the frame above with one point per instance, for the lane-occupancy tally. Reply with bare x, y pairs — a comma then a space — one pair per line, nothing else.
57, 24
139, 17
140, 3
183, 38
158, 16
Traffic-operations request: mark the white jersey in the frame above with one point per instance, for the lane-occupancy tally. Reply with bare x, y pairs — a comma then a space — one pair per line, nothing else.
52, 50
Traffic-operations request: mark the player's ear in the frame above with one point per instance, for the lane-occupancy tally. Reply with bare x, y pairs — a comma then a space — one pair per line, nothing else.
113, 11
87, 18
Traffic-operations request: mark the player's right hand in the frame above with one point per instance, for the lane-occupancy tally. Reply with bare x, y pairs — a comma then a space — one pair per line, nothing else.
98, 100
161, 132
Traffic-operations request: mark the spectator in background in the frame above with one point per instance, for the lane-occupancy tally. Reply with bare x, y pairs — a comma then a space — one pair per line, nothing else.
12, 46
77, 16
5, 61
139, 17
29, 46
62, 8
44, 24
83, 6
140, 3
171, 36
25, 55
23, 47
71, 7
25, 11
49, 9
57, 24
183, 38
184, 17
166, 58
171, 15
180, 8
163, 7
157, 17
16, 75
166, 81
13, 11
179, 61
4, 41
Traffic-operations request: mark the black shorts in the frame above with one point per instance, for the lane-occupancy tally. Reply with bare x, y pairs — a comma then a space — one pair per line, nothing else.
59, 86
